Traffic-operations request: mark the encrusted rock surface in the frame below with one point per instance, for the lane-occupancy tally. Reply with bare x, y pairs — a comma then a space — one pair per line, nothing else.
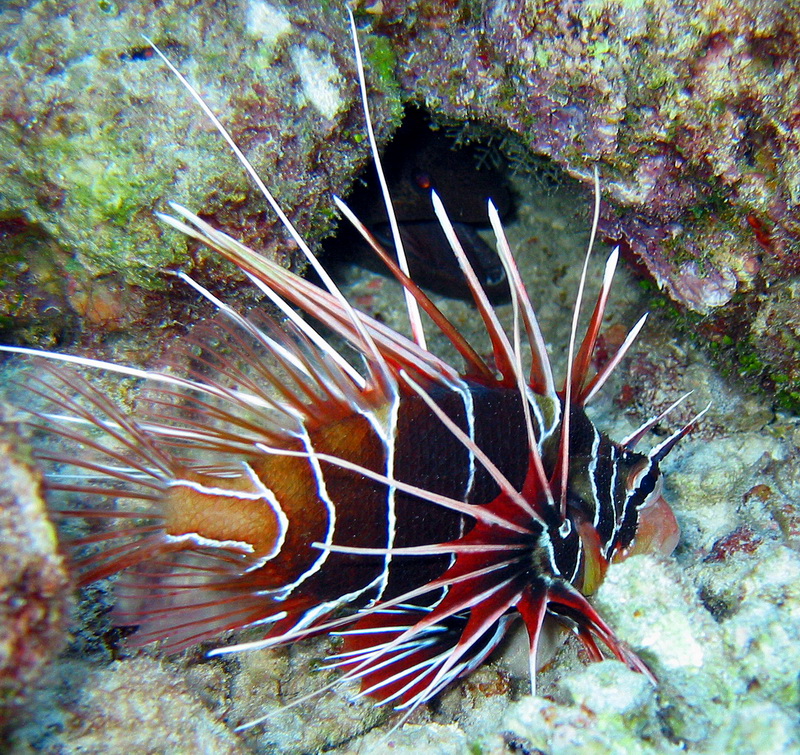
137, 707
688, 111
99, 134
35, 590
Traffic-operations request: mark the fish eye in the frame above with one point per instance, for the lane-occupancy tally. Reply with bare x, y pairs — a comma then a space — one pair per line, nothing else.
654, 495
496, 277
636, 473
423, 180
636, 478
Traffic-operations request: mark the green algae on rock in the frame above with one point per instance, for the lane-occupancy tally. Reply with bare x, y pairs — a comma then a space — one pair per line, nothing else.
98, 135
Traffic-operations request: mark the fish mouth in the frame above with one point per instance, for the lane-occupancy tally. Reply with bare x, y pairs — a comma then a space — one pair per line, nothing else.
658, 530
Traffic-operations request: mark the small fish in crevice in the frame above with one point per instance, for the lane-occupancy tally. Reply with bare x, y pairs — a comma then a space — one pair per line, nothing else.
417, 161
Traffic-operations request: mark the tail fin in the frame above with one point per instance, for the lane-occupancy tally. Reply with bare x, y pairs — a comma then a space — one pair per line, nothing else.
116, 490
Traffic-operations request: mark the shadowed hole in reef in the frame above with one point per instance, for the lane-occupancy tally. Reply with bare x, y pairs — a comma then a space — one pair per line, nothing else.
35, 307
467, 164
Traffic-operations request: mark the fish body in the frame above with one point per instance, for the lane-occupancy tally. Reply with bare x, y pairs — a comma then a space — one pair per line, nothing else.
412, 506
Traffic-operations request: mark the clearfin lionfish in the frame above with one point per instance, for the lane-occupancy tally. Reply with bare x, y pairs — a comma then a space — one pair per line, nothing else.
412, 507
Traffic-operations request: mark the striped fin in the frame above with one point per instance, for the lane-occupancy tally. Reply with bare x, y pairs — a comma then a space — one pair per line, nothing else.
107, 457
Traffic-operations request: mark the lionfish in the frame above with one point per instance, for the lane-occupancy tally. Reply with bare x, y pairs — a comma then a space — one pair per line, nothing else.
411, 507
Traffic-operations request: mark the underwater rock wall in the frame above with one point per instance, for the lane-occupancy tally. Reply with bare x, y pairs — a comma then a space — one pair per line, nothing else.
689, 112
35, 588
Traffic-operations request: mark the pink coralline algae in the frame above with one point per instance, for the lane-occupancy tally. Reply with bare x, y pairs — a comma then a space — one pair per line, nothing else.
689, 111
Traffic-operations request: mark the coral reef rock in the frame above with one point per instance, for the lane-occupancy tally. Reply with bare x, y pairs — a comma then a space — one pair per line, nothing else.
688, 112
34, 587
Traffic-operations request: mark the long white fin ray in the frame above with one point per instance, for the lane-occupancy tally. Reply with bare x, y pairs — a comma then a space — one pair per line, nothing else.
412, 307
377, 363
